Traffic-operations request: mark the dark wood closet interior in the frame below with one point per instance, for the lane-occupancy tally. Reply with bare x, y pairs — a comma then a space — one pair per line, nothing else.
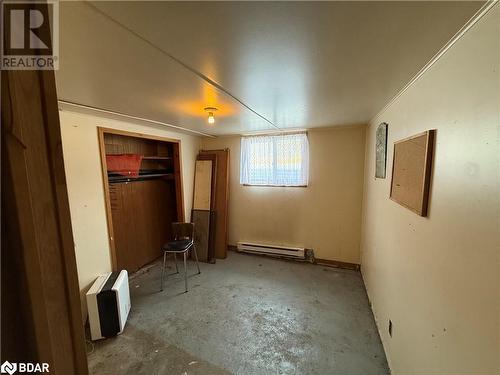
140, 206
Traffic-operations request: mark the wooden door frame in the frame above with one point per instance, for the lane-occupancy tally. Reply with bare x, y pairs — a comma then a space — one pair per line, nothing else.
179, 189
39, 231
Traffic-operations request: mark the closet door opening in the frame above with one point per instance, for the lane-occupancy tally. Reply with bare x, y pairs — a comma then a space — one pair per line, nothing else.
143, 192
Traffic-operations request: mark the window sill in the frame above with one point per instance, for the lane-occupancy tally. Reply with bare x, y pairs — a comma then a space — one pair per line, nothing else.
289, 186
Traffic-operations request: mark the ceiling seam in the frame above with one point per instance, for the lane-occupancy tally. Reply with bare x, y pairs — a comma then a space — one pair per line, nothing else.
458, 35
183, 64
137, 118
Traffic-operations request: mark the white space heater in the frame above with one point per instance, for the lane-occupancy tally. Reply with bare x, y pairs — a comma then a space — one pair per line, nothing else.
108, 304
285, 251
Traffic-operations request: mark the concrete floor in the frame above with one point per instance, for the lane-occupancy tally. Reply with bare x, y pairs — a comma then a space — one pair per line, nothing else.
246, 315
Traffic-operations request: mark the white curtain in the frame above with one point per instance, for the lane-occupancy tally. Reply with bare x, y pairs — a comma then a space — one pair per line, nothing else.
276, 160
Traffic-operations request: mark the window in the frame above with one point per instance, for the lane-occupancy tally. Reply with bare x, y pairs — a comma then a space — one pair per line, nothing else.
276, 160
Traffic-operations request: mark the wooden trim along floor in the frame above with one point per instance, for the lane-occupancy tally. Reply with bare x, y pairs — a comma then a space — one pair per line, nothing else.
337, 264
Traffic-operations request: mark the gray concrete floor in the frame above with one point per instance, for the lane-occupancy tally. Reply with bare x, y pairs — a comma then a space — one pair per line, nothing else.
246, 315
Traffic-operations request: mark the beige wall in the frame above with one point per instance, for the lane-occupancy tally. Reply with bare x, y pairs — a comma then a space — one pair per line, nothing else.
437, 278
325, 216
85, 187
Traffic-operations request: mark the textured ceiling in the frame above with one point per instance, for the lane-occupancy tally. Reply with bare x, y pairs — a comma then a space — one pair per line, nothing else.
264, 65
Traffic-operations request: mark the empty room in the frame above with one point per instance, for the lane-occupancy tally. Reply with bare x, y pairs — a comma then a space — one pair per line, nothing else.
250, 187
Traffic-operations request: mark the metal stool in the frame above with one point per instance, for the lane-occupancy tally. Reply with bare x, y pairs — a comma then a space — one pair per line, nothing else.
183, 234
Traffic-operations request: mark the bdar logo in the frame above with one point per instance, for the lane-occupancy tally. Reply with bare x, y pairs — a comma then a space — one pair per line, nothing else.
8, 368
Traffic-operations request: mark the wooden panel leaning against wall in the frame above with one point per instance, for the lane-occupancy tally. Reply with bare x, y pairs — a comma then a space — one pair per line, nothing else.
41, 318
202, 209
221, 197
213, 205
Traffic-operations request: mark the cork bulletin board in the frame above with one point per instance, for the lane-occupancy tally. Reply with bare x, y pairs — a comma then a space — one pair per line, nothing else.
411, 171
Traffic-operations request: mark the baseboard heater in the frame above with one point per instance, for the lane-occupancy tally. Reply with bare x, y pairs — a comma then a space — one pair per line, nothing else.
284, 251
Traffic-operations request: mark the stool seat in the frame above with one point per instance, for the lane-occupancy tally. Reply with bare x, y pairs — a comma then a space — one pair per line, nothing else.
178, 245
183, 235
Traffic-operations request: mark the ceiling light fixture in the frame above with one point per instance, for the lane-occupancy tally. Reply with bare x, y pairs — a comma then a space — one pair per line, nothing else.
211, 118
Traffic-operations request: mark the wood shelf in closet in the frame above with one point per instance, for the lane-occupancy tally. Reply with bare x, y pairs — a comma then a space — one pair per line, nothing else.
121, 179
156, 158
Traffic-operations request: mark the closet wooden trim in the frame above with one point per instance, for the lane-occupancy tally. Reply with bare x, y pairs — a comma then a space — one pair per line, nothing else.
138, 135
179, 187
101, 131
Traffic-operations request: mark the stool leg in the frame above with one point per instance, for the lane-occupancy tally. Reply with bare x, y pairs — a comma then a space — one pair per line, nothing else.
185, 272
175, 261
196, 258
163, 268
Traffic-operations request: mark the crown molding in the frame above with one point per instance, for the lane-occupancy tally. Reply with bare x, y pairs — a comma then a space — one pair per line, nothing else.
472, 21
65, 103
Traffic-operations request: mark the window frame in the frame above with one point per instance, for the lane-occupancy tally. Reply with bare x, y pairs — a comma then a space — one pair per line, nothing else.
275, 162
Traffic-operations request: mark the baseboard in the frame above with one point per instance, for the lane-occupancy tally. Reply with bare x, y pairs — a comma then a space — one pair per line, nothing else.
377, 324
336, 264
308, 259
321, 262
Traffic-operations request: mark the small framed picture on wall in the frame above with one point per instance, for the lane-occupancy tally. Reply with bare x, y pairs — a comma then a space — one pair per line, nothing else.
381, 150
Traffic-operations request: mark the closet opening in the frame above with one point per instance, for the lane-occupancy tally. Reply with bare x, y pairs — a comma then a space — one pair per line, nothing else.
143, 193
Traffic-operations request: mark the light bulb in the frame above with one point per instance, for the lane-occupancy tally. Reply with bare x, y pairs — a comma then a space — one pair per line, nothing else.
211, 118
